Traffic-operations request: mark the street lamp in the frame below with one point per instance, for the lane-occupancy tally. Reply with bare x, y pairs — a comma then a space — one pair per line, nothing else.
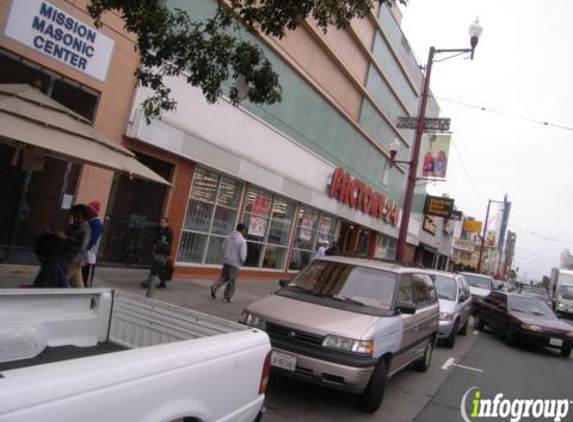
475, 31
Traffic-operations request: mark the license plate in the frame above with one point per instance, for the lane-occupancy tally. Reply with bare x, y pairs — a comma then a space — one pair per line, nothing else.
284, 361
555, 342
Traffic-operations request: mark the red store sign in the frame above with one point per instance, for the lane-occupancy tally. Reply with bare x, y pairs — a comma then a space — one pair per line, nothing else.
357, 194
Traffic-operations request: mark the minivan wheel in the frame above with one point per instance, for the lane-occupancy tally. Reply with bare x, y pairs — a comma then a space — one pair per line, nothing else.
423, 364
464, 329
478, 323
370, 400
451, 340
565, 351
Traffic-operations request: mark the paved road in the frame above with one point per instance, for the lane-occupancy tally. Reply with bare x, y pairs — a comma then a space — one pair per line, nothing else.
517, 373
407, 394
435, 396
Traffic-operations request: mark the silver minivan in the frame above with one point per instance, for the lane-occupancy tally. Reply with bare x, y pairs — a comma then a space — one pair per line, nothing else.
455, 304
350, 324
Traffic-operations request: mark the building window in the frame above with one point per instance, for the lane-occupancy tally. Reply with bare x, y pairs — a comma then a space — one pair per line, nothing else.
269, 221
311, 226
77, 98
212, 213
385, 247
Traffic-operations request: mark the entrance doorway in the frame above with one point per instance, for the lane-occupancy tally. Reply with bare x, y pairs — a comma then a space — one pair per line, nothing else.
32, 202
133, 215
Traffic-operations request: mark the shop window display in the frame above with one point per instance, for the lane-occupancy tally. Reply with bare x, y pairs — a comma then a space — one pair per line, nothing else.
269, 221
212, 213
312, 226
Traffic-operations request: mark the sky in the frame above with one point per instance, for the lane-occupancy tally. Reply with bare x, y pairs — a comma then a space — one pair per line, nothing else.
523, 67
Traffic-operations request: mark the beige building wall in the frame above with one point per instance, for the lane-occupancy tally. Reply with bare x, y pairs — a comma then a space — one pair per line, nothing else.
334, 62
115, 94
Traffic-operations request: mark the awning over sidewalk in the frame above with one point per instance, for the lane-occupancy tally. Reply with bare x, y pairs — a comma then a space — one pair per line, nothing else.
29, 117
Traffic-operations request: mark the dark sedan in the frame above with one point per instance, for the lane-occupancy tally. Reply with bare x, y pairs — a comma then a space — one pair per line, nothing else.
525, 319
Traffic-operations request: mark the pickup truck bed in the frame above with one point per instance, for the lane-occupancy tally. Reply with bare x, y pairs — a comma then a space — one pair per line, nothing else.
106, 355
56, 354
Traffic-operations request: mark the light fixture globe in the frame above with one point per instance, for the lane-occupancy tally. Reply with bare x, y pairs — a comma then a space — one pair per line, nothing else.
394, 147
475, 32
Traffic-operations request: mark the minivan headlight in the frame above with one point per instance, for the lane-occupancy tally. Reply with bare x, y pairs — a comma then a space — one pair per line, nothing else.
561, 305
349, 345
253, 320
446, 316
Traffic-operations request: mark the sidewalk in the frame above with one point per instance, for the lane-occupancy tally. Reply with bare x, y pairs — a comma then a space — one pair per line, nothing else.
189, 293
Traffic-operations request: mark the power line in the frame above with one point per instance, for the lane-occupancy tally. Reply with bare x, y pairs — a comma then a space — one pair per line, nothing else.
542, 236
504, 113
560, 215
467, 172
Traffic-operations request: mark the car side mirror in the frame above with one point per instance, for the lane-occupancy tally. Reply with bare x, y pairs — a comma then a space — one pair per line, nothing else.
461, 298
284, 283
406, 308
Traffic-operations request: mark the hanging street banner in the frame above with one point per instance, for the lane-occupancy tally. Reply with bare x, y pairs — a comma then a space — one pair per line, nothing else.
439, 206
434, 153
430, 124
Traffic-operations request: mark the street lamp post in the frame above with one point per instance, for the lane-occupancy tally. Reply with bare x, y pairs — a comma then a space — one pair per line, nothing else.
475, 32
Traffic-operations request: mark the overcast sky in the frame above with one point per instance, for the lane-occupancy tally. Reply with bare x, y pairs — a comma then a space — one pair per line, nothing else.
523, 66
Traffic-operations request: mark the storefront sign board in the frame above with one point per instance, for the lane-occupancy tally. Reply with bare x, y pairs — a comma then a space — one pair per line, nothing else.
357, 194
438, 206
50, 31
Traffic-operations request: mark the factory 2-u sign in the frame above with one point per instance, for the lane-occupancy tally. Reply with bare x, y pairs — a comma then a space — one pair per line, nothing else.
356, 194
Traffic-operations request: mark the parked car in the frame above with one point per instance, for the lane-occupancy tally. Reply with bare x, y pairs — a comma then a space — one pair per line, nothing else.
103, 355
455, 303
523, 319
480, 285
350, 324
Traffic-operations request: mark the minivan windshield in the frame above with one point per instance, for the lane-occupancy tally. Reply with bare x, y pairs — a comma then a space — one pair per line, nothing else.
445, 286
479, 281
351, 284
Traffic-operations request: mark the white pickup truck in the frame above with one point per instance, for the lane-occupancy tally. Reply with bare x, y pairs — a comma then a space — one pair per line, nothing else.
107, 355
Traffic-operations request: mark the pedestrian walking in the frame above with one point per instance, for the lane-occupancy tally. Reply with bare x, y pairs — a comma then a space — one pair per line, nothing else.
322, 247
161, 254
234, 255
75, 243
96, 226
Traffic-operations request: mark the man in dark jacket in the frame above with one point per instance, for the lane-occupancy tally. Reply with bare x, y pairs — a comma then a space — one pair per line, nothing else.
161, 253
54, 268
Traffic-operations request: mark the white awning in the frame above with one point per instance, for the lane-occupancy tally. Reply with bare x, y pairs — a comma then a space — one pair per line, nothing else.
29, 117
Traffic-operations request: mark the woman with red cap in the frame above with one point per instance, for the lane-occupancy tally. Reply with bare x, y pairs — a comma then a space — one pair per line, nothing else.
96, 225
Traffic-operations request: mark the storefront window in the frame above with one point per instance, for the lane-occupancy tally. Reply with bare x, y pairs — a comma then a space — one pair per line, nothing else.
311, 226
385, 247
211, 215
269, 221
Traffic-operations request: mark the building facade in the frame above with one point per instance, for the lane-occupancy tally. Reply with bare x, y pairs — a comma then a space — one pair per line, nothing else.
315, 166
54, 47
